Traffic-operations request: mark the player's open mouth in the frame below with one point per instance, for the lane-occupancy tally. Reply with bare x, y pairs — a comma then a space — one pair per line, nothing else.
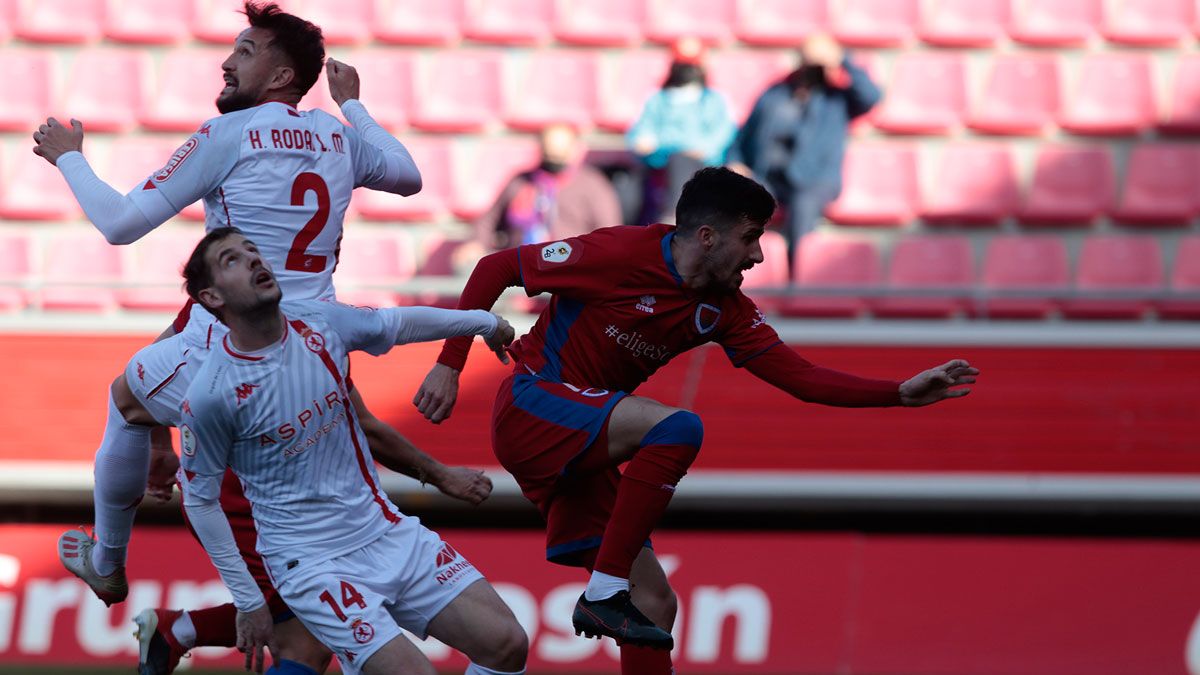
264, 279
230, 84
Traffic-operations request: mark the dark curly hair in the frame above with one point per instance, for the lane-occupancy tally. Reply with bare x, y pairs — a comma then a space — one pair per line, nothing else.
299, 40
723, 199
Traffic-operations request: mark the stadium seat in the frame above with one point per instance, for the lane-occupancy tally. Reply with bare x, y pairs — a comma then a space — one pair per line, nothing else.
1183, 109
437, 259
188, 83
974, 184
964, 23
771, 273
132, 159
879, 185
152, 22
1020, 96
419, 22
1120, 265
1054, 23
32, 189
1113, 95
1161, 185
938, 270
779, 23
387, 84
627, 79
1072, 185
80, 272
342, 22
457, 91
219, 21
509, 22
63, 21
15, 268
830, 274
28, 76
742, 76
483, 167
104, 88
550, 86
1148, 22
8, 17
1022, 276
874, 23
1183, 302
371, 261
708, 20
608, 23
432, 156
154, 271
926, 94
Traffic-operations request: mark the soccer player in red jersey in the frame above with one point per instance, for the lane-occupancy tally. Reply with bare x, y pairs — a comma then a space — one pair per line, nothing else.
624, 302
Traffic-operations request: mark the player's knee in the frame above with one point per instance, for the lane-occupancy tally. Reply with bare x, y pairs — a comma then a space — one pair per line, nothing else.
658, 602
508, 647
680, 428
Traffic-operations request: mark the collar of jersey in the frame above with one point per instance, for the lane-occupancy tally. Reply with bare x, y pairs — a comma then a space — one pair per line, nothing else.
257, 355
670, 259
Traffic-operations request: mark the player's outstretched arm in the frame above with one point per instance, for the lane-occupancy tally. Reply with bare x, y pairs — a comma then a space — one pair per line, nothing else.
939, 383
400, 173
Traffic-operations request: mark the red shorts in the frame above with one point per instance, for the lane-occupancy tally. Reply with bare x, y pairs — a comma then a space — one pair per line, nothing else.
553, 439
237, 510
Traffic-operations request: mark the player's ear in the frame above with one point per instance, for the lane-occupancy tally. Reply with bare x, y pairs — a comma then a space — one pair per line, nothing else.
210, 298
283, 77
707, 235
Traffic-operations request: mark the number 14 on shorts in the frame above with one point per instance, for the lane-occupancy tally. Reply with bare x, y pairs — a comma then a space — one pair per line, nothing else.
350, 596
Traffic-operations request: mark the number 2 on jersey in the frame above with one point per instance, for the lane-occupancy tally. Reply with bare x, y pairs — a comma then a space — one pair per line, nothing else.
350, 596
297, 259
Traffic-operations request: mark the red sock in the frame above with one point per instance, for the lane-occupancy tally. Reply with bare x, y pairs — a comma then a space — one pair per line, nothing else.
643, 661
215, 626
645, 490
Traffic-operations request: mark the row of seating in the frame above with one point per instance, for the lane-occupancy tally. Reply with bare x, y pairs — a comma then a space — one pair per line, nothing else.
930, 276
110, 89
621, 22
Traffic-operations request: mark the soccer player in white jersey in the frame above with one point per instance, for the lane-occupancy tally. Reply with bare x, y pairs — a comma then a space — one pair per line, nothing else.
271, 402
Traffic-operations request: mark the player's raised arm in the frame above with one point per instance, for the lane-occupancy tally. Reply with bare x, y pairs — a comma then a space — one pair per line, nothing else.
382, 163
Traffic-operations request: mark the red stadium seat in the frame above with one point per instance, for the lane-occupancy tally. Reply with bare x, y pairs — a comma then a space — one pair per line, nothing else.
66, 21
509, 22
1183, 109
615, 23
975, 184
33, 189
457, 91
549, 87
387, 77
830, 271
1184, 301
1119, 265
342, 22
437, 259
419, 22
1113, 95
939, 267
155, 270
104, 88
708, 20
874, 23
1148, 22
1023, 275
879, 185
1020, 97
742, 76
1072, 185
371, 263
8, 17
926, 94
80, 272
482, 168
627, 79
1050, 23
15, 255
132, 159
771, 273
28, 77
156, 22
188, 83
219, 21
432, 156
779, 23
1160, 185
964, 23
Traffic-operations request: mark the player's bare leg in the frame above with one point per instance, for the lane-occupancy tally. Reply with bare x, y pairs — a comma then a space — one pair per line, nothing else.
479, 624
295, 646
398, 656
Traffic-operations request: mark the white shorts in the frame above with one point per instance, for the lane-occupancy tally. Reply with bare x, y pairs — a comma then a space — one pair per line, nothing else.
159, 374
357, 603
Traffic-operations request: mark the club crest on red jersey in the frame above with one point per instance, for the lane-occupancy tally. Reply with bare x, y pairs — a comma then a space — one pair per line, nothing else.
706, 318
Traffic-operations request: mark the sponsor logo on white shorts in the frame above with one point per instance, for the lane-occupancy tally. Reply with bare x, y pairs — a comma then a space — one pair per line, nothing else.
557, 252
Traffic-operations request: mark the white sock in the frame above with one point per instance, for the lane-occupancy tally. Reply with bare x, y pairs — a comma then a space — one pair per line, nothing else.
122, 467
602, 586
184, 631
476, 669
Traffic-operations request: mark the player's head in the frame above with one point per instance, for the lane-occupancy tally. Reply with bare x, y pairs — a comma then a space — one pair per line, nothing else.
226, 274
724, 213
278, 57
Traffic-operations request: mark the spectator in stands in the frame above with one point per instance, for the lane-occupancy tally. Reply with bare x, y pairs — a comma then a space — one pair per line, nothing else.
560, 197
684, 127
795, 137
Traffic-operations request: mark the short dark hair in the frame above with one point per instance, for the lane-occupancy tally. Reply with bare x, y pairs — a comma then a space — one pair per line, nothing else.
299, 40
681, 74
722, 198
197, 275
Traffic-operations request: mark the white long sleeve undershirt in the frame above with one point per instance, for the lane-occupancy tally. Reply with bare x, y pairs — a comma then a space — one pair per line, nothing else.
114, 214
